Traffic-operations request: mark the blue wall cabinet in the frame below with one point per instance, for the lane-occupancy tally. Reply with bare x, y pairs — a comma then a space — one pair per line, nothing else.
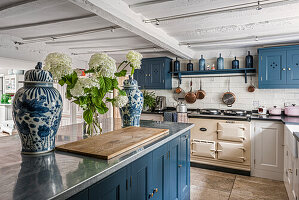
154, 73
279, 67
163, 174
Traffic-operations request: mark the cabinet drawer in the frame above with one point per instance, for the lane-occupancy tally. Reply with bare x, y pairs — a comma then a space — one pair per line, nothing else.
204, 148
231, 152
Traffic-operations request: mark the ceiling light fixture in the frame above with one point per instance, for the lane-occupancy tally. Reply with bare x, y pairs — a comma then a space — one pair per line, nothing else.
259, 7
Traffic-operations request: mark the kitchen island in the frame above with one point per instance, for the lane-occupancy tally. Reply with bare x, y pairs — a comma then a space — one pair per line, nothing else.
153, 170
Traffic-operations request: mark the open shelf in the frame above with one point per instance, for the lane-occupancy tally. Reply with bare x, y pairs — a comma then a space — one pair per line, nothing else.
242, 71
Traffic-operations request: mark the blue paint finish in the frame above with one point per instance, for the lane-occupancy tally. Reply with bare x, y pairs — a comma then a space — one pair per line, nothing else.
174, 153
141, 178
167, 168
184, 169
279, 67
111, 188
154, 73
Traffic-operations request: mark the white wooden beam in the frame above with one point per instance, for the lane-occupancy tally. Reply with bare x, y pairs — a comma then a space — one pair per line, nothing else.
27, 6
120, 14
30, 25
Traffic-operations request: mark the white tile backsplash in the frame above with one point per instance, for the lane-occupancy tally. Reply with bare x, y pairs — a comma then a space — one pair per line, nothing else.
216, 86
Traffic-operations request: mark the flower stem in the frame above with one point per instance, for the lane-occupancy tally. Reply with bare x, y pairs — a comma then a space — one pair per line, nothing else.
121, 64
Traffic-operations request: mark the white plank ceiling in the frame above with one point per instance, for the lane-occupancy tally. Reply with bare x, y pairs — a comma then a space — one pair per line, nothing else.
82, 27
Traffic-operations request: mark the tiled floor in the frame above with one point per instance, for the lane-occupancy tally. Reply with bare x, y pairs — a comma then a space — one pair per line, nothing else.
213, 185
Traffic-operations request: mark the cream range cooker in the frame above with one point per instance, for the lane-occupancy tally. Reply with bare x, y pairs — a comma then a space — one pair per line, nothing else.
222, 141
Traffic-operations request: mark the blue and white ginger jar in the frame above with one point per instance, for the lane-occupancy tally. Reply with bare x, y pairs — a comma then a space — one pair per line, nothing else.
131, 112
37, 111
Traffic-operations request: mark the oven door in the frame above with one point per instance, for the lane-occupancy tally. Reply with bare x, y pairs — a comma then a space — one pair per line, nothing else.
231, 151
231, 131
203, 148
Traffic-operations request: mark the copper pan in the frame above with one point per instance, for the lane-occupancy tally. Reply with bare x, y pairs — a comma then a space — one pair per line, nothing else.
190, 96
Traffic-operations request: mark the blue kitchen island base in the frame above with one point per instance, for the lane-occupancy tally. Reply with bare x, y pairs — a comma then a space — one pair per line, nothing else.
163, 174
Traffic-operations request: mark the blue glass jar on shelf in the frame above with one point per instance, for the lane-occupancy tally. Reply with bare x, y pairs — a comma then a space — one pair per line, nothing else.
249, 61
202, 64
235, 64
189, 66
177, 65
220, 63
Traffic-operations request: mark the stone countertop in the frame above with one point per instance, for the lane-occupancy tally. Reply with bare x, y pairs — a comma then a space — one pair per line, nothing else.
282, 118
296, 135
59, 175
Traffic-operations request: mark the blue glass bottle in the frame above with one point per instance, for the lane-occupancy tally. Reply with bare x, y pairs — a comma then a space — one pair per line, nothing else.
177, 65
220, 63
202, 64
249, 61
189, 66
235, 64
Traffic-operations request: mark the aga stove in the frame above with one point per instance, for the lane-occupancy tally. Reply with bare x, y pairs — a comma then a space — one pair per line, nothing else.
222, 141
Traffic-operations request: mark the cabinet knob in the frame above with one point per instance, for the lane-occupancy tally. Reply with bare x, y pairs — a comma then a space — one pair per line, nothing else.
180, 166
155, 190
283, 69
289, 69
290, 171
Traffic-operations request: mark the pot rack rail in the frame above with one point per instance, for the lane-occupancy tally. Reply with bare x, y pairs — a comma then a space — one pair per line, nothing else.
215, 73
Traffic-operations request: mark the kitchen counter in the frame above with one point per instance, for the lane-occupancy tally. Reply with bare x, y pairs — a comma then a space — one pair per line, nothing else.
59, 175
296, 135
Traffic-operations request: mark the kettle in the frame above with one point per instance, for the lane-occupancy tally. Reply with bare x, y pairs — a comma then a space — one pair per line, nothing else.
181, 108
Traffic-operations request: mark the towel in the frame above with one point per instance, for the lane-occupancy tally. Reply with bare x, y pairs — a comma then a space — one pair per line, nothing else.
168, 116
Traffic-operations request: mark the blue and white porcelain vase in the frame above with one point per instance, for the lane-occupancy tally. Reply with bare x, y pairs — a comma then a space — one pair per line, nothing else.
131, 112
37, 111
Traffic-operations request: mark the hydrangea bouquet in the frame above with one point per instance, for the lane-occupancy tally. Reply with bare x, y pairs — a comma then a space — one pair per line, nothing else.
90, 92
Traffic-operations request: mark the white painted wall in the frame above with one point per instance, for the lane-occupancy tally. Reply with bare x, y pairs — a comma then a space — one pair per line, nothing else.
215, 87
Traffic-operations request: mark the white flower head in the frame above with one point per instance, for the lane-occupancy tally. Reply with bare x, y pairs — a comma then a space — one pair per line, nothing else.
134, 58
78, 89
121, 101
58, 64
103, 65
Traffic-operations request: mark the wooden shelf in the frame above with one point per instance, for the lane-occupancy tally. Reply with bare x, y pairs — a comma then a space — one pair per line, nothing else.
216, 73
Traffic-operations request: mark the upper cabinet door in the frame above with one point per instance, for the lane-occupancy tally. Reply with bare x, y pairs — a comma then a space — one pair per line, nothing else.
272, 68
156, 75
140, 75
293, 67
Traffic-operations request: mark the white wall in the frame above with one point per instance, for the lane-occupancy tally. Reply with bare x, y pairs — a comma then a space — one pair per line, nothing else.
215, 87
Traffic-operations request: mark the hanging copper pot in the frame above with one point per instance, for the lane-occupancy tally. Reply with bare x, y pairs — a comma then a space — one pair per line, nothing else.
190, 96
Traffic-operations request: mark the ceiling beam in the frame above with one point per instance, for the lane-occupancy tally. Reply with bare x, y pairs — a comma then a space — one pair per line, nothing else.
27, 6
91, 40
30, 25
65, 35
120, 14
146, 3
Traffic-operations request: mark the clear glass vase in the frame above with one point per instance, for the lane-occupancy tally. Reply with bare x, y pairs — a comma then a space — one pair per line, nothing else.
92, 129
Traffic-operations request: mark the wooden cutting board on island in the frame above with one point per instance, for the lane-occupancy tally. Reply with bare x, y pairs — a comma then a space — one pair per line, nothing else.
114, 143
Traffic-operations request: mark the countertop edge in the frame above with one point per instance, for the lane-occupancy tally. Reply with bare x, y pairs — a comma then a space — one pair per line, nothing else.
296, 135
98, 177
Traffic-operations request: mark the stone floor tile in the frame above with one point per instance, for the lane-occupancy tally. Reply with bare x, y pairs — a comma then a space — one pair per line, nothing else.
202, 193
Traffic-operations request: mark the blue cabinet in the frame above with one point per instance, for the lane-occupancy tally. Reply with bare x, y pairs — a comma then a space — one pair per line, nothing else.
279, 67
111, 188
154, 73
163, 174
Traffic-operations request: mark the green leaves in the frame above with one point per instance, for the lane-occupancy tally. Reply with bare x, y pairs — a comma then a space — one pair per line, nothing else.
102, 108
88, 116
105, 84
121, 73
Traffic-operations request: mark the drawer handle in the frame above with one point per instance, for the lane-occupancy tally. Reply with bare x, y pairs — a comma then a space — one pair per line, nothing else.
180, 166
203, 129
283, 69
150, 195
155, 190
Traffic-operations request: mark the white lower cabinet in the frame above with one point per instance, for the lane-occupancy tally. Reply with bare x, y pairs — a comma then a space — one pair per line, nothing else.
268, 150
291, 164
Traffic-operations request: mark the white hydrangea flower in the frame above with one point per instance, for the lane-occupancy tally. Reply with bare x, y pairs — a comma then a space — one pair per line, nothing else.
78, 89
135, 59
58, 64
121, 101
103, 65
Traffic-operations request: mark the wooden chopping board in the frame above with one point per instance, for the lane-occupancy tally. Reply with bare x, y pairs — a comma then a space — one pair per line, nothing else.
114, 143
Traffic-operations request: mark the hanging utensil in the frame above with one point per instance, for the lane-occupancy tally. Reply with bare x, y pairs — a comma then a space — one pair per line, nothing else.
251, 88
228, 98
200, 93
178, 90
190, 96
